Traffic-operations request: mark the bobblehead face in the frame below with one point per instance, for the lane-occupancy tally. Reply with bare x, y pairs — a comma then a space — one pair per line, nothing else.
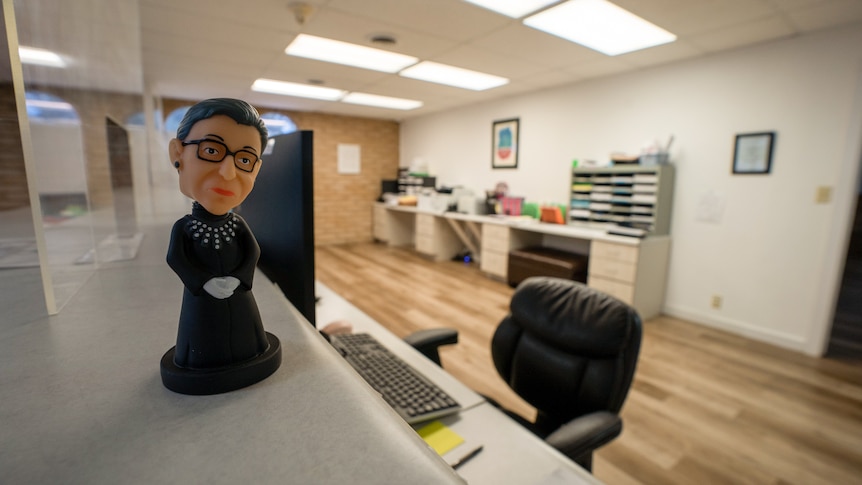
217, 186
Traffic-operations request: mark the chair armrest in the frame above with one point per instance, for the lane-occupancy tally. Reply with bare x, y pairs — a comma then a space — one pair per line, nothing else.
580, 436
428, 341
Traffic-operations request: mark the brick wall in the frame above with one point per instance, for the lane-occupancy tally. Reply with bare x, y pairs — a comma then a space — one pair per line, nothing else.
13, 178
342, 203
92, 108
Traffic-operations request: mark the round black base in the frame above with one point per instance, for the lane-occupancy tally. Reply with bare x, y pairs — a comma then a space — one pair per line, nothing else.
204, 382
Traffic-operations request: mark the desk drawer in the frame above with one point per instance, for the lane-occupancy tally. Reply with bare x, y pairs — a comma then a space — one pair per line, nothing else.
425, 224
615, 270
495, 263
381, 231
621, 291
614, 252
495, 238
425, 244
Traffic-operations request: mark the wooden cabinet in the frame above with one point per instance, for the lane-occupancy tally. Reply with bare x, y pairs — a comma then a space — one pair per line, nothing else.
633, 270
637, 197
394, 225
634, 274
495, 250
497, 241
435, 238
380, 227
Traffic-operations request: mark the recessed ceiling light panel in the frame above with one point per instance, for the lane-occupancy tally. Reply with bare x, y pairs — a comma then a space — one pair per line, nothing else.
40, 57
48, 104
453, 76
381, 101
513, 8
295, 89
601, 26
329, 50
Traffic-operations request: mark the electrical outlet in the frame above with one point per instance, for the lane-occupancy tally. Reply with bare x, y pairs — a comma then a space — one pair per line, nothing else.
824, 194
716, 301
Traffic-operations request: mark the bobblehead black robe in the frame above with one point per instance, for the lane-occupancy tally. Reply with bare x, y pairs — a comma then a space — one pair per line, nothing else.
215, 333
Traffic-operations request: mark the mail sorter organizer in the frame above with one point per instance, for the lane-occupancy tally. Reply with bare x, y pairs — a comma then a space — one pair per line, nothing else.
541, 261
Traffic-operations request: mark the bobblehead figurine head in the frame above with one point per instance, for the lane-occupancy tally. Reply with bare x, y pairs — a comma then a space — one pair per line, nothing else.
217, 152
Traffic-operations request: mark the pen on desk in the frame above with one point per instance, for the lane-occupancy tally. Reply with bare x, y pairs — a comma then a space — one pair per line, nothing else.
466, 458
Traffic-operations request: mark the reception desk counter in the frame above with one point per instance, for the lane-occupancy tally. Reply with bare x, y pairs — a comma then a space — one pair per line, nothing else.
81, 400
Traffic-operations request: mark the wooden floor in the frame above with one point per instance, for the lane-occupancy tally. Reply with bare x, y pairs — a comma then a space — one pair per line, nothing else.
706, 407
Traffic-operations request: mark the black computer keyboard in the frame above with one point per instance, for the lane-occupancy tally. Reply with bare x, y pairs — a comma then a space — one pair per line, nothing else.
412, 395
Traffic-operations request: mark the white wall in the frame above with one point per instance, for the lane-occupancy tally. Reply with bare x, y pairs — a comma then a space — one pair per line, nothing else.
775, 257
58, 154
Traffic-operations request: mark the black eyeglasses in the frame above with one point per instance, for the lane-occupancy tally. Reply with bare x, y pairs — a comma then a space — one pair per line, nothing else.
216, 151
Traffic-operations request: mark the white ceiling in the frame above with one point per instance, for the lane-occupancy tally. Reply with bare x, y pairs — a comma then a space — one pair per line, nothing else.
194, 49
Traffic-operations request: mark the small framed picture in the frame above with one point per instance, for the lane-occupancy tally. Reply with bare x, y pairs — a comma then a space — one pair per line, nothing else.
752, 153
505, 144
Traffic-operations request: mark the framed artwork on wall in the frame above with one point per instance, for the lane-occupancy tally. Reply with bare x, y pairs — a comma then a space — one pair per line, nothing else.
752, 153
504, 152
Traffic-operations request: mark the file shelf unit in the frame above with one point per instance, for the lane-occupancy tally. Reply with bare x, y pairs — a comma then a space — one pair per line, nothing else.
635, 197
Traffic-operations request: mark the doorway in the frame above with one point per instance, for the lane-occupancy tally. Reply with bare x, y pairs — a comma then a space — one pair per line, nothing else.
845, 340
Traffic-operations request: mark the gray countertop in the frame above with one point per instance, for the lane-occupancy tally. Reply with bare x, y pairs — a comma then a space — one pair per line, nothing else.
81, 399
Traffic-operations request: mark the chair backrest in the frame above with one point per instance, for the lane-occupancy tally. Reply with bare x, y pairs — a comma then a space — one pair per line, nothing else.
567, 349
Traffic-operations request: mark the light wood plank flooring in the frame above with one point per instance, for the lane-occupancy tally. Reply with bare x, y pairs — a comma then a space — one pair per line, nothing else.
706, 407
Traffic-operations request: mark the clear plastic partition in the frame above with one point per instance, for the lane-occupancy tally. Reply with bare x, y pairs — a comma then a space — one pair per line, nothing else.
23, 295
82, 77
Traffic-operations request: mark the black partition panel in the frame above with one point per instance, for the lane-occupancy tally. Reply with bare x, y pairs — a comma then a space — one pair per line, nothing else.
280, 212
120, 164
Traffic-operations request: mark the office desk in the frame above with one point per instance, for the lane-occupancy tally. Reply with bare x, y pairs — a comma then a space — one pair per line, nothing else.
510, 455
81, 399
631, 269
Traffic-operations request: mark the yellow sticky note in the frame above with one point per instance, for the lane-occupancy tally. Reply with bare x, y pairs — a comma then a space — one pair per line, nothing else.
439, 437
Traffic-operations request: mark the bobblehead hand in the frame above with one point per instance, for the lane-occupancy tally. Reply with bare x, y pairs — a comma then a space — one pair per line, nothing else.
221, 287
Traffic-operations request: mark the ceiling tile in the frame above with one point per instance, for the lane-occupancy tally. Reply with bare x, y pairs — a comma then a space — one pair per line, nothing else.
826, 14
743, 34
199, 48
525, 43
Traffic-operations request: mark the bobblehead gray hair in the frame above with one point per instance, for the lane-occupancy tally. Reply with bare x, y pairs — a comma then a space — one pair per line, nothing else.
237, 109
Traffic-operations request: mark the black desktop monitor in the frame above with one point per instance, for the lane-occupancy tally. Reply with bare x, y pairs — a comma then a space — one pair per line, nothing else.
280, 212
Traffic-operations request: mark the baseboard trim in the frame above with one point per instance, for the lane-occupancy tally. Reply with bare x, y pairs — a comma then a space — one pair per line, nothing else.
781, 339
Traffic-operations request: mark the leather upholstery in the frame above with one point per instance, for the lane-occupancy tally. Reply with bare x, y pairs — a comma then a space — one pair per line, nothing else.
571, 352
430, 340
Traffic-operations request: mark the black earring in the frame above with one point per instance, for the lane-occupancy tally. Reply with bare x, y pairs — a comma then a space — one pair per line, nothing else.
177, 164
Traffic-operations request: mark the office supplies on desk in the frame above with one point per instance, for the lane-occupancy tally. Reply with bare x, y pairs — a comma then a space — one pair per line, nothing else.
469, 456
440, 437
552, 214
411, 395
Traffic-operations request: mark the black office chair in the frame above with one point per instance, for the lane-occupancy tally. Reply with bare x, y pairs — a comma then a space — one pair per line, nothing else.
571, 352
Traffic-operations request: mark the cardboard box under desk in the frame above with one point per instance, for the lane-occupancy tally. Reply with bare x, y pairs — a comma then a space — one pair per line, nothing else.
541, 261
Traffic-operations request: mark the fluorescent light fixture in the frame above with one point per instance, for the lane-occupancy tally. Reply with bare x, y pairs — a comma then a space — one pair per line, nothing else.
381, 101
40, 57
453, 76
513, 8
329, 50
296, 89
600, 25
279, 123
48, 104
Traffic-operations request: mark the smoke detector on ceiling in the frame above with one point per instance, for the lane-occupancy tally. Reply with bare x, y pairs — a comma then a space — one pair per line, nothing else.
301, 11
383, 39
